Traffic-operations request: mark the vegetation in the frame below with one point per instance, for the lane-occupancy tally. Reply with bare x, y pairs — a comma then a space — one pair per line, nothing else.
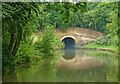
106, 42
23, 19
106, 16
99, 16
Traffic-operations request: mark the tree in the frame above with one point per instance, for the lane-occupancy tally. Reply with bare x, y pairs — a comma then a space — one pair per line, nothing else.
17, 19
21, 19
113, 20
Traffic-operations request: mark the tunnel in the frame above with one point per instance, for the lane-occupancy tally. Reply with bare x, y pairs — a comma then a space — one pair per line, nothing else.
69, 43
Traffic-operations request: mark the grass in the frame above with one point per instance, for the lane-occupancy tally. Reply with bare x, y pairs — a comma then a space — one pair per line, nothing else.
101, 46
112, 43
97, 52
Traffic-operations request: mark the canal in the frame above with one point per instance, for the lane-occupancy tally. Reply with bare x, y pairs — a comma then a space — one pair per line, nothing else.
69, 65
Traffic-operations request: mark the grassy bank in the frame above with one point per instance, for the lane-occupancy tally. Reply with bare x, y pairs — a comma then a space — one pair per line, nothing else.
112, 43
101, 46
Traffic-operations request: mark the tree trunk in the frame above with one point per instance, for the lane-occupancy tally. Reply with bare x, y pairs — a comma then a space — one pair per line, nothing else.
11, 41
57, 25
95, 26
15, 49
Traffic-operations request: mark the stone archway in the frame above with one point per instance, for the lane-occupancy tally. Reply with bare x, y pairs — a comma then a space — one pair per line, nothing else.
69, 41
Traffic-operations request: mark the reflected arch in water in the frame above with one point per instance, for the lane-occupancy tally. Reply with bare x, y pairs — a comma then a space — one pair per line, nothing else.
69, 54
69, 41
79, 62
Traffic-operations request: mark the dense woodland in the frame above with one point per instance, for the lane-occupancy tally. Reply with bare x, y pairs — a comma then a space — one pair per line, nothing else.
21, 19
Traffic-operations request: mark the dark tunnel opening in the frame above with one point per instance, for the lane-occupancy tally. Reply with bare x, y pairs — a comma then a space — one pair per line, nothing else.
69, 43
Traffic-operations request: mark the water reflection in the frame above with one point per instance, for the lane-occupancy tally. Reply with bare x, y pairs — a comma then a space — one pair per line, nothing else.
69, 53
80, 67
88, 66
76, 60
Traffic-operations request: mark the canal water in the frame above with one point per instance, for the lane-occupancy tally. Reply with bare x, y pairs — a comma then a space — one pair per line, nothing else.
69, 65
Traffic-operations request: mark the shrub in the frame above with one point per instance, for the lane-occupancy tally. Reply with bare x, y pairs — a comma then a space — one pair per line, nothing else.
110, 41
48, 43
26, 52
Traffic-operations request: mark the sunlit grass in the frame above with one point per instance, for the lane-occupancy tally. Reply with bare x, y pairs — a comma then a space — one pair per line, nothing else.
97, 53
101, 46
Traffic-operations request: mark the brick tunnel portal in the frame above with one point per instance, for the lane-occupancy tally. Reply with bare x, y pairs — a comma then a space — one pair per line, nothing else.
69, 42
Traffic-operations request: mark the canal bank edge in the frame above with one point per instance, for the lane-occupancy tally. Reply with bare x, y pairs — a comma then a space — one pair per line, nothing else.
99, 49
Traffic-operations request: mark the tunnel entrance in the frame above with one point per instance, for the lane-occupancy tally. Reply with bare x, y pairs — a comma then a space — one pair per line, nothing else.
69, 42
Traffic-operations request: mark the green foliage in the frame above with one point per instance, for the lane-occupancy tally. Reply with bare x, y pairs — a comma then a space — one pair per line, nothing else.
98, 16
113, 18
58, 44
48, 42
8, 61
26, 53
21, 19
65, 9
95, 17
60, 13
112, 42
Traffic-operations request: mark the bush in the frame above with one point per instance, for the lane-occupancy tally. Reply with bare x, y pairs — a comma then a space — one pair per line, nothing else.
8, 61
58, 43
26, 52
48, 43
111, 41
